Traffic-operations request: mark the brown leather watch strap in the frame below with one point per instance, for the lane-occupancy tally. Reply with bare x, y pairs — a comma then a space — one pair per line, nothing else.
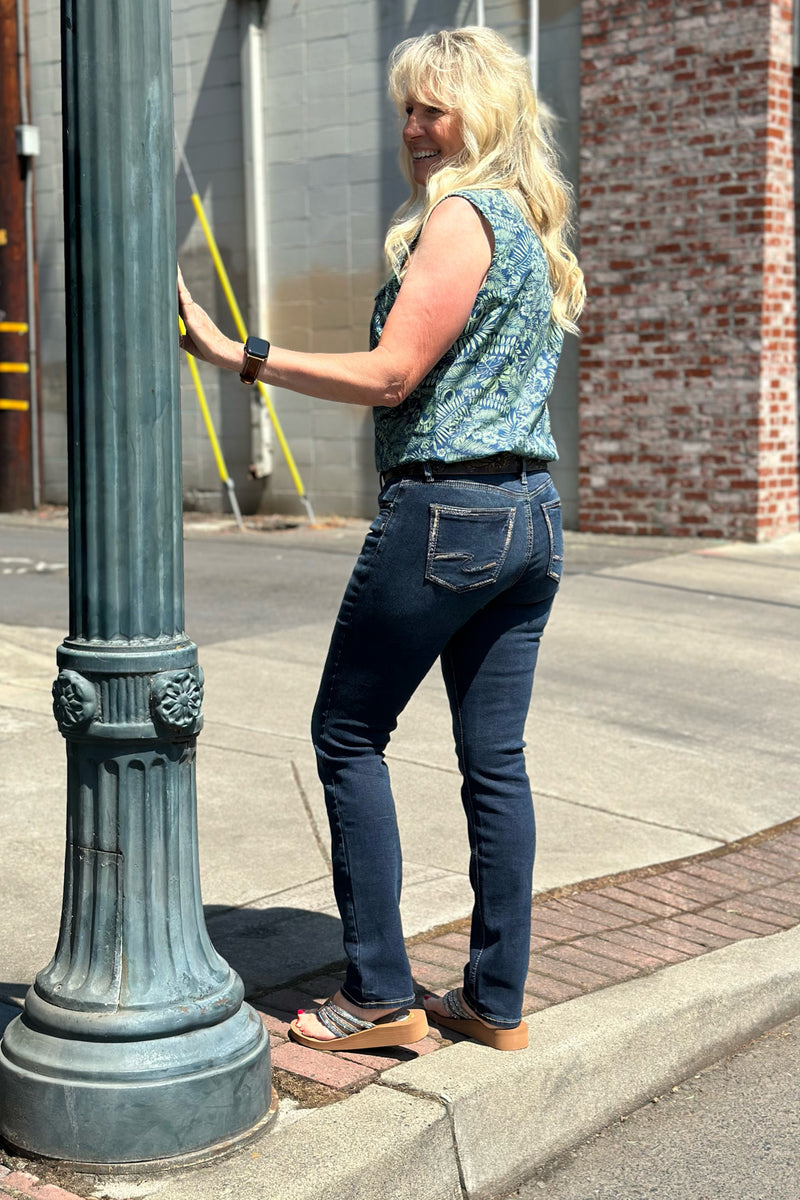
256, 351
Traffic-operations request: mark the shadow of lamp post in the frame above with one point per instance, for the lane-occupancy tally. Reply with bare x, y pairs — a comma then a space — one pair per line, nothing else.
135, 1043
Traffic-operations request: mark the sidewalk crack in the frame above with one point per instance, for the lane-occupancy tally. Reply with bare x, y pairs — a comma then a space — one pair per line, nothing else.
321, 846
636, 820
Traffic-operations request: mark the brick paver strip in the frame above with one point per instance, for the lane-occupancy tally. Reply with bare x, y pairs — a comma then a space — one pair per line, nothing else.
585, 937
331, 1069
440, 956
711, 921
624, 913
539, 943
780, 908
541, 926
580, 956
548, 962
22, 1183
786, 893
607, 945
765, 863
596, 916
682, 941
554, 990
642, 900
576, 916
688, 926
458, 941
381, 1061
49, 1191
277, 1026
729, 916
757, 907
531, 1003
700, 890
784, 865
731, 875
652, 889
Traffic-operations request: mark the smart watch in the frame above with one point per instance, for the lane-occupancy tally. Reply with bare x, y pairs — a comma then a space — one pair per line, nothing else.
256, 350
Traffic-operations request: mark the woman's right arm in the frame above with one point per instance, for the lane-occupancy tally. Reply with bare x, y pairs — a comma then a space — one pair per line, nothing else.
432, 307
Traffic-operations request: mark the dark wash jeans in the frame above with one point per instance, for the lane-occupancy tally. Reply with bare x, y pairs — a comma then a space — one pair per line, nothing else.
465, 568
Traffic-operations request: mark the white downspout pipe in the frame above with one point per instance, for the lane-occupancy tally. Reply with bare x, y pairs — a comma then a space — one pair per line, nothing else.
480, 16
533, 41
255, 189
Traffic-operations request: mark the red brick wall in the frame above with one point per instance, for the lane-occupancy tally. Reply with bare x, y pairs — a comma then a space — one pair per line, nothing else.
688, 391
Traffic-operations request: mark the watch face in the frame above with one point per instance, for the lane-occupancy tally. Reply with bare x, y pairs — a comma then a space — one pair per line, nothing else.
258, 347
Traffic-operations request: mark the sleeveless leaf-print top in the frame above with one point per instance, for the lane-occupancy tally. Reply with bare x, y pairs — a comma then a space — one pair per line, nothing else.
489, 392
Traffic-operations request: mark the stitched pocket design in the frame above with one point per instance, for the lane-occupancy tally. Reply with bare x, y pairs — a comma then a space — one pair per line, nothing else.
467, 546
551, 511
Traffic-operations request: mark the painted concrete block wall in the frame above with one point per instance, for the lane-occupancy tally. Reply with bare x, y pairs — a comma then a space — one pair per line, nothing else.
45, 72
208, 123
206, 53
688, 389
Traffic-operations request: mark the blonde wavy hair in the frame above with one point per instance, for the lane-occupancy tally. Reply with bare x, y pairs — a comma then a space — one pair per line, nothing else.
507, 145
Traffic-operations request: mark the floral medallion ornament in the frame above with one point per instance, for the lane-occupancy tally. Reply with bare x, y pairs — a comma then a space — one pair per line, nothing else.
177, 698
74, 701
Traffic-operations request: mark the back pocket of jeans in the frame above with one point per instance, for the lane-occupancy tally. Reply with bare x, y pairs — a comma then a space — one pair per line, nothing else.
467, 546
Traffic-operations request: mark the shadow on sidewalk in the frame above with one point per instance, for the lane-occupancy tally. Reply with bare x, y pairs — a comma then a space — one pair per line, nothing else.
274, 946
9, 992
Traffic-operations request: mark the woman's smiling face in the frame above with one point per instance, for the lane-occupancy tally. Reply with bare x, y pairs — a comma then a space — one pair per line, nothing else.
431, 135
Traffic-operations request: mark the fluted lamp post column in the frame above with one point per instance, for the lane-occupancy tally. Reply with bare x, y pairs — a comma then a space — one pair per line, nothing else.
135, 1043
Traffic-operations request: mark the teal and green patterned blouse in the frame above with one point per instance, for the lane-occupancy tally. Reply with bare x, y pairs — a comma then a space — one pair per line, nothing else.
489, 391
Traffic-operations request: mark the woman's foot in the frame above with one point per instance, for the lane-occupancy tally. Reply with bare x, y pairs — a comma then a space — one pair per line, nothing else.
452, 1012
436, 1006
310, 1027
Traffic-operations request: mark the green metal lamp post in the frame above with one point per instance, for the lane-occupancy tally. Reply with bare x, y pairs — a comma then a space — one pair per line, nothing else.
134, 1044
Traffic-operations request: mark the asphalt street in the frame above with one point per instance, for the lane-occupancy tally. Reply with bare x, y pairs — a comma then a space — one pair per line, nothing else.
241, 583
730, 1133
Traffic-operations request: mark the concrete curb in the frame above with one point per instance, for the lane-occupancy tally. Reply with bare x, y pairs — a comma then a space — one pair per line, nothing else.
468, 1122
602, 1055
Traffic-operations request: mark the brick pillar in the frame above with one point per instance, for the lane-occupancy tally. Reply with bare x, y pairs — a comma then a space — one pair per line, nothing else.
688, 390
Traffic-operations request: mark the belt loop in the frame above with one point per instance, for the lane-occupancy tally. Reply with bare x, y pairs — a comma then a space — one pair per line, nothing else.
427, 472
524, 473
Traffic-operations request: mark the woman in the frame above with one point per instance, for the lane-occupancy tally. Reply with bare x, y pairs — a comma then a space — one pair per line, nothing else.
463, 560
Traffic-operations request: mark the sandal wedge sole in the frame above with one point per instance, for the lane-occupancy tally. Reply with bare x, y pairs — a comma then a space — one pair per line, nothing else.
412, 1028
497, 1039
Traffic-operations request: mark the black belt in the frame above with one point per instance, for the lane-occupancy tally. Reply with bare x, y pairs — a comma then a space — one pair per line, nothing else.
496, 464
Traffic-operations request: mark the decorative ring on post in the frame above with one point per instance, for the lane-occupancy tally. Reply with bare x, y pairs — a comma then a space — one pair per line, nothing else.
177, 697
74, 701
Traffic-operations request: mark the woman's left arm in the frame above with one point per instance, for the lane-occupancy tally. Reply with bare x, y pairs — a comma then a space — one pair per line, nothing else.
434, 303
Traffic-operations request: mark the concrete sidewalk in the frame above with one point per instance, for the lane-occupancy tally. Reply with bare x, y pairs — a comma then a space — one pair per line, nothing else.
666, 698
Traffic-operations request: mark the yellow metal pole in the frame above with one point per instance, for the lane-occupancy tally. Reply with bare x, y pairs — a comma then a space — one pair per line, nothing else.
14, 368
241, 328
212, 435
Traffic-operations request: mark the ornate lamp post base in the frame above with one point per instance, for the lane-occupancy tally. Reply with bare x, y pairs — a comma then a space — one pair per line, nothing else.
135, 1042
125, 1102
